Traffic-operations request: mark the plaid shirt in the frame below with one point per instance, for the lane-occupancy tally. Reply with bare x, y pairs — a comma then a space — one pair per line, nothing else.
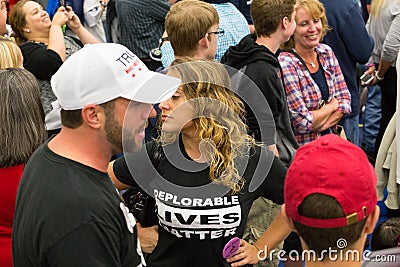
141, 24
303, 94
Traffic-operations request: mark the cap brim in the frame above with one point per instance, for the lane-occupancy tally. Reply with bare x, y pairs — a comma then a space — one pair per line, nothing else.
157, 88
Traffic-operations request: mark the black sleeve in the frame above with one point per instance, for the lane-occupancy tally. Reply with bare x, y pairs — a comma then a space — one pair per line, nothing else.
138, 166
259, 116
268, 81
40, 61
121, 171
272, 186
92, 244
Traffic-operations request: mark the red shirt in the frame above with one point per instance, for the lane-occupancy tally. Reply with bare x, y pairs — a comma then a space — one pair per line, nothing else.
9, 181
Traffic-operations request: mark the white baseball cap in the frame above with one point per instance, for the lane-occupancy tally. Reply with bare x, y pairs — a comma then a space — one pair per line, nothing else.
99, 73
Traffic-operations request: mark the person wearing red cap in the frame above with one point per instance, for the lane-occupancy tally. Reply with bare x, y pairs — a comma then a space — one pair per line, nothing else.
331, 201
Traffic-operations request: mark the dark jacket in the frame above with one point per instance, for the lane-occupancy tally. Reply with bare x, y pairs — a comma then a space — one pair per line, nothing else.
350, 42
262, 67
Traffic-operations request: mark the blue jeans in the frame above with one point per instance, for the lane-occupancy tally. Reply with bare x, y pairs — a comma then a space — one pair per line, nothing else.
372, 117
351, 129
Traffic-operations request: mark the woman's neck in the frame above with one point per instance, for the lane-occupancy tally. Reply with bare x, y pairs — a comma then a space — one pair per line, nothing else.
306, 53
191, 142
39, 39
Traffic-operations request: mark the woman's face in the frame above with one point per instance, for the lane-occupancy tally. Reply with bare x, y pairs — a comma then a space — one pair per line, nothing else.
177, 113
308, 30
37, 19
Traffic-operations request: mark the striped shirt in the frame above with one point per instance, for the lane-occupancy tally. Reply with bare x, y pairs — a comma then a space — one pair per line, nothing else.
303, 94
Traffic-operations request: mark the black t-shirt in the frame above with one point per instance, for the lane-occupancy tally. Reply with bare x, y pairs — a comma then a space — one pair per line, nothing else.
195, 225
320, 80
69, 214
39, 60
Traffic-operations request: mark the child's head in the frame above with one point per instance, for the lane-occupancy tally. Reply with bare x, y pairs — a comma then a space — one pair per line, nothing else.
386, 235
267, 15
330, 195
186, 23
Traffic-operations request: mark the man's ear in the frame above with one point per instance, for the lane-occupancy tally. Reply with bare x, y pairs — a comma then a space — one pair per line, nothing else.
93, 116
204, 43
372, 220
287, 218
285, 23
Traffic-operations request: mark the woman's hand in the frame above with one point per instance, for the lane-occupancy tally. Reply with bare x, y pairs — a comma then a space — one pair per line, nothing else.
148, 237
322, 115
56, 36
74, 23
246, 254
333, 104
60, 17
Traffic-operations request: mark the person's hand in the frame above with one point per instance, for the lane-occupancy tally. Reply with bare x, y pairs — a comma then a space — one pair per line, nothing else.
371, 70
60, 17
246, 254
74, 23
334, 104
148, 237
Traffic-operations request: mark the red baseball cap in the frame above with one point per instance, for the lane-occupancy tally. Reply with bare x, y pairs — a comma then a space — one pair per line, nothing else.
335, 167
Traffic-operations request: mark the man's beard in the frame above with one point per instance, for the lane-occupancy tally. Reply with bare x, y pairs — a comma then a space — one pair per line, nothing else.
119, 137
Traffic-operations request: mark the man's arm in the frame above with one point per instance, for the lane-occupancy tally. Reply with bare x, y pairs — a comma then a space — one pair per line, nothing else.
91, 244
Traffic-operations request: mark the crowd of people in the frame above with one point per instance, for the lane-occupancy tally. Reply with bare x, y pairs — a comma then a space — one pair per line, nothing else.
235, 123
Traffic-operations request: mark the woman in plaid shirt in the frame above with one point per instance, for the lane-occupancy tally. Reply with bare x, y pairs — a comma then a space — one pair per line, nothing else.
316, 91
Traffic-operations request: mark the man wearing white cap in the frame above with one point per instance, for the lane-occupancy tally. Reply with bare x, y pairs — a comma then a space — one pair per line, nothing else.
68, 212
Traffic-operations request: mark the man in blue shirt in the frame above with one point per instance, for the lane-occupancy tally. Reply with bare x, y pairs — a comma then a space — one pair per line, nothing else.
352, 44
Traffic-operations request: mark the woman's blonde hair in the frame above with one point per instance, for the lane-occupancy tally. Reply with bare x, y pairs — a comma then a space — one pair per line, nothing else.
10, 54
376, 6
17, 21
317, 11
218, 118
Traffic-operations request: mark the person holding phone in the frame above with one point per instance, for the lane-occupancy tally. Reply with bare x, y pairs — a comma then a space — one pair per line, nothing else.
384, 26
316, 91
43, 44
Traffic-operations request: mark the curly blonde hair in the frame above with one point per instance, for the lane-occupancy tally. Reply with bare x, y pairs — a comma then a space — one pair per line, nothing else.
218, 119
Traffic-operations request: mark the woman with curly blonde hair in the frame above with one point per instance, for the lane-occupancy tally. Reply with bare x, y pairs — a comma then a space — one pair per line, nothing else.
210, 172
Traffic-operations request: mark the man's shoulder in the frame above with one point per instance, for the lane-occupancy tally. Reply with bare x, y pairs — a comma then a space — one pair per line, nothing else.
340, 9
263, 68
328, 4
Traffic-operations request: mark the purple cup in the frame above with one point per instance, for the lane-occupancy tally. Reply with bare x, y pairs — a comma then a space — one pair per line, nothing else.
231, 247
